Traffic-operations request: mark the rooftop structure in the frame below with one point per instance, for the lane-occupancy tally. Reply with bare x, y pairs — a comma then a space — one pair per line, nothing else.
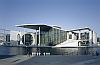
35, 26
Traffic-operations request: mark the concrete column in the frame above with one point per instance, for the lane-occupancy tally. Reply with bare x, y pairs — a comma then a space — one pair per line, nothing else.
73, 36
94, 38
59, 35
4, 36
79, 35
90, 37
36, 37
24, 36
56, 36
68, 36
39, 36
79, 38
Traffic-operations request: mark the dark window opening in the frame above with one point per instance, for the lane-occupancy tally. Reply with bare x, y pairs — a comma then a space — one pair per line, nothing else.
8, 38
70, 36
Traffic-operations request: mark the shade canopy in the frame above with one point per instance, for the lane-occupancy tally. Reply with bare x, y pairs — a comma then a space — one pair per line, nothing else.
43, 27
80, 29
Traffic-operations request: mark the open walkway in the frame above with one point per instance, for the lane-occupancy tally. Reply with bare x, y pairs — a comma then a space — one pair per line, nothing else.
62, 60
14, 59
51, 60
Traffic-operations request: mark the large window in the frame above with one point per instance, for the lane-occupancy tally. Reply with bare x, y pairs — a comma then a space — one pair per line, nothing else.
8, 38
18, 39
70, 36
84, 35
27, 39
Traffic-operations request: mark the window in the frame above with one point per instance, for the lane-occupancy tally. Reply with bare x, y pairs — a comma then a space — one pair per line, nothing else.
27, 39
84, 35
18, 39
70, 36
8, 38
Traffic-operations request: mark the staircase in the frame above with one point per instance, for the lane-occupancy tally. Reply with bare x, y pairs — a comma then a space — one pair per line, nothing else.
68, 43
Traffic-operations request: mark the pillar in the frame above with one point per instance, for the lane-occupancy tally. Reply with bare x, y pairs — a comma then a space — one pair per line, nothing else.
39, 36
79, 35
36, 38
90, 37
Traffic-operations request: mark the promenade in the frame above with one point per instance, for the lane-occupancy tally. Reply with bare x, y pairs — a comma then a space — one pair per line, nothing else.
51, 60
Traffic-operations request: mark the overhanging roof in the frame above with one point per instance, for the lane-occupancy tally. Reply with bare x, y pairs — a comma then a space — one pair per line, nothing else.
86, 28
43, 27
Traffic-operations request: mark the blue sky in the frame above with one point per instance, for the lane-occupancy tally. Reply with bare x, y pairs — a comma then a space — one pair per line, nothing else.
68, 14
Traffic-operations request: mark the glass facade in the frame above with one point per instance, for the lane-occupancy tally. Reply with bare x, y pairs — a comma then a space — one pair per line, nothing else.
53, 36
84, 35
4, 36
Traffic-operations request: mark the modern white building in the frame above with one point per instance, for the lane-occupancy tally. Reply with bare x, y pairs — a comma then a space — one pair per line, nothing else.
46, 37
80, 37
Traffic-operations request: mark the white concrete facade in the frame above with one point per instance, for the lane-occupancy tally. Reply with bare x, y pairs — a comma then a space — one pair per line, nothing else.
78, 37
81, 40
74, 41
14, 39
